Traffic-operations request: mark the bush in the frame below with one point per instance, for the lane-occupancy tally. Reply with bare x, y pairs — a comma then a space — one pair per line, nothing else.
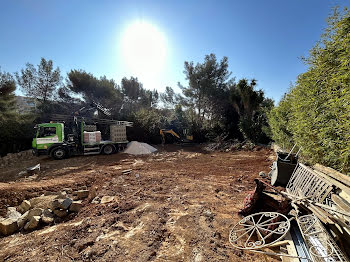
315, 114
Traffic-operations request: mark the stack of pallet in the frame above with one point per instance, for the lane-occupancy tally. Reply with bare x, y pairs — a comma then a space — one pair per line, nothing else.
92, 137
118, 133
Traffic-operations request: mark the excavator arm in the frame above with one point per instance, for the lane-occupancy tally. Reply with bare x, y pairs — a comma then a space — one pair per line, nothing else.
168, 131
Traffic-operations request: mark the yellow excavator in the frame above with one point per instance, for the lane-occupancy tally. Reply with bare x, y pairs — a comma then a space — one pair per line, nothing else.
188, 139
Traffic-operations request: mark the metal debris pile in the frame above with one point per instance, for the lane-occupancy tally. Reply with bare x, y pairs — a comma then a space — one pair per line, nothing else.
307, 220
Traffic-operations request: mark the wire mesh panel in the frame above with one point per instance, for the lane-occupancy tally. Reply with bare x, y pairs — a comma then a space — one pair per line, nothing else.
306, 183
321, 245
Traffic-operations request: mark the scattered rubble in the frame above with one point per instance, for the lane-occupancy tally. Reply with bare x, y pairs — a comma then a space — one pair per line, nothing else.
231, 145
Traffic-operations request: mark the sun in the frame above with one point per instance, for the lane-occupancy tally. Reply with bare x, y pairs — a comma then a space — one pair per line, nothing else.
143, 49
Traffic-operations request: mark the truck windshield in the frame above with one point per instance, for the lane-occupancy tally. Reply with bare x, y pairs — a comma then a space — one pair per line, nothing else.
47, 131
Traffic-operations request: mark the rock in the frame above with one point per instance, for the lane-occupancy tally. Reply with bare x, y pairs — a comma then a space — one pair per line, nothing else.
93, 193
82, 194
25, 206
35, 212
67, 189
22, 220
12, 213
32, 223
8, 226
47, 217
208, 214
96, 200
42, 201
62, 195
76, 206
107, 199
60, 213
61, 203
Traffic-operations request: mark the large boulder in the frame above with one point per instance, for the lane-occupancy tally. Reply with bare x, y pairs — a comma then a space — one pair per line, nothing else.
24, 206
32, 223
60, 212
82, 194
22, 220
42, 201
8, 226
76, 206
47, 217
35, 212
61, 203
12, 213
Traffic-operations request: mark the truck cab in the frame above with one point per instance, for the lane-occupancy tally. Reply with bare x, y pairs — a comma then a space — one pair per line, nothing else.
47, 136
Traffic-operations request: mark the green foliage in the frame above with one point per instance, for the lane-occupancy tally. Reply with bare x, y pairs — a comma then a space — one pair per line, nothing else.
319, 103
92, 89
208, 88
279, 120
40, 82
147, 123
252, 108
136, 97
15, 130
7, 96
16, 134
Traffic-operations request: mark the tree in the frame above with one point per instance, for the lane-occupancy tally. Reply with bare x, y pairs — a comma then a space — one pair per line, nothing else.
91, 89
250, 104
15, 130
207, 92
136, 97
7, 96
40, 83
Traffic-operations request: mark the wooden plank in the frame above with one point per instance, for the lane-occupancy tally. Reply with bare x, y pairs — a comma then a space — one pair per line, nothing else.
322, 215
340, 202
333, 173
345, 189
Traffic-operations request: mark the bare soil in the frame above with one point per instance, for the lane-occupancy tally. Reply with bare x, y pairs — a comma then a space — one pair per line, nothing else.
176, 205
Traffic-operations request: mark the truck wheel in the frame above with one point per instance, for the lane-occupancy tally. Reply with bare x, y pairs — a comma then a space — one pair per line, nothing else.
108, 149
58, 153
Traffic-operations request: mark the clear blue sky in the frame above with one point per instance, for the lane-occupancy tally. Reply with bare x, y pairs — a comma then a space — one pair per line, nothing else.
262, 39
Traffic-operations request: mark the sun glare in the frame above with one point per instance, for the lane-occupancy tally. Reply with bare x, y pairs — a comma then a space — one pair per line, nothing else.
143, 49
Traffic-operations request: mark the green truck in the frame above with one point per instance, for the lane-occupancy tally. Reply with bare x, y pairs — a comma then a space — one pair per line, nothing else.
68, 136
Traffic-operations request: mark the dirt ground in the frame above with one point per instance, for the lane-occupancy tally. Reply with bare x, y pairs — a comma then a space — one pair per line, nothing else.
176, 205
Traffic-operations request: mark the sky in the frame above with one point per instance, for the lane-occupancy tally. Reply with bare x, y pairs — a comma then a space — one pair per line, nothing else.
151, 40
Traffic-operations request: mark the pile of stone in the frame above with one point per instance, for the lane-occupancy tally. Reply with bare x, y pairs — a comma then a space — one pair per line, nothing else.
42, 210
12, 158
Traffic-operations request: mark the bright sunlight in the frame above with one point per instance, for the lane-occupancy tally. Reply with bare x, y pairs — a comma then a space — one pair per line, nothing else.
143, 49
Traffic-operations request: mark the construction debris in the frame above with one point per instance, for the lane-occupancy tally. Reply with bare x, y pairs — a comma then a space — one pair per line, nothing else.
138, 148
230, 145
317, 198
